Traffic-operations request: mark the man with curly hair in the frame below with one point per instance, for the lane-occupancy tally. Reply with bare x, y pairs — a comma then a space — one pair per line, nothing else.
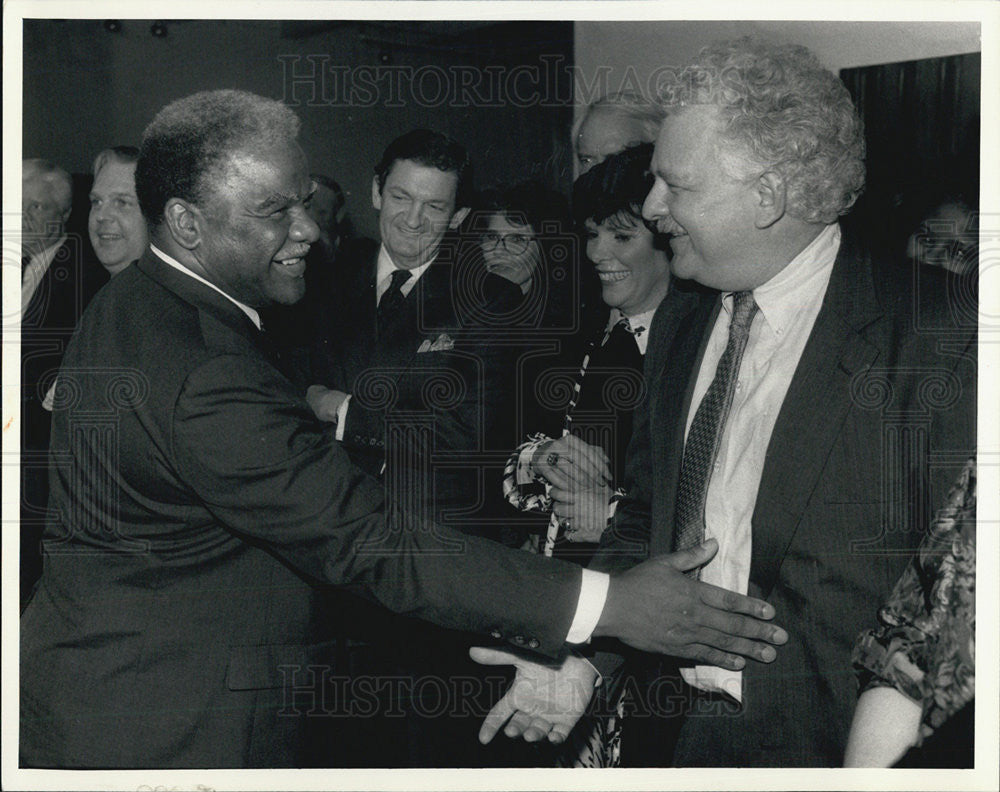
198, 507
801, 409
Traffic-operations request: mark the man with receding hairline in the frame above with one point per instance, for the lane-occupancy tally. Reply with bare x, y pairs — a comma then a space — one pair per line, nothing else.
198, 506
789, 416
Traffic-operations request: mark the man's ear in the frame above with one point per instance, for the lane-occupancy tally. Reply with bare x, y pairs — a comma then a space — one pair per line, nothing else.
771, 196
458, 217
184, 222
376, 195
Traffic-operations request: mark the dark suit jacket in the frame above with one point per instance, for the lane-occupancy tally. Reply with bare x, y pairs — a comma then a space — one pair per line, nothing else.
879, 413
197, 502
431, 416
46, 327
68, 285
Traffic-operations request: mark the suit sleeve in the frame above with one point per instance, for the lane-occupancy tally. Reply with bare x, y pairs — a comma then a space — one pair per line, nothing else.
250, 449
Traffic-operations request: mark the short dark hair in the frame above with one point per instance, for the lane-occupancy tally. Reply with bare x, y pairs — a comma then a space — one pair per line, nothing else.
528, 203
125, 155
332, 185
433, 150
189, 139
619, 185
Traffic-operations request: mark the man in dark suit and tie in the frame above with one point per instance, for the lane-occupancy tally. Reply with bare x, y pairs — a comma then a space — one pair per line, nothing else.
410, 357
196, 502
805, 414
57, 282
412, 364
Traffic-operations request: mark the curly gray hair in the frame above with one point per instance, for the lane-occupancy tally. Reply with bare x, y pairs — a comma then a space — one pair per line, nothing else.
782, 111
188, 140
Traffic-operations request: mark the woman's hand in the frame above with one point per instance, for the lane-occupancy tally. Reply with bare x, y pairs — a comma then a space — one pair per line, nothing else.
569, 464
583, 511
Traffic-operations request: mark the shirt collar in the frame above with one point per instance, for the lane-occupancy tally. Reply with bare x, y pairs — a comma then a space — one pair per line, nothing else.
386, 267
250, 312
639, 324
782, 297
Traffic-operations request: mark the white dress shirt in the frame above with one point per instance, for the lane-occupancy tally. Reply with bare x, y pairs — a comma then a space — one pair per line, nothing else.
788, 305
250, 312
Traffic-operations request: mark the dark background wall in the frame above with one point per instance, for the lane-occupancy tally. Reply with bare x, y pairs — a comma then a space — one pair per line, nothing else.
504, 89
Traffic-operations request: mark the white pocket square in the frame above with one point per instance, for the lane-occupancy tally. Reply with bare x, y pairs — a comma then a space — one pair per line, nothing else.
442, 343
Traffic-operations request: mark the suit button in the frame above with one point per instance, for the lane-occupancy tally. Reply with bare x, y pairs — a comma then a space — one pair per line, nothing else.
533, 643
518, 639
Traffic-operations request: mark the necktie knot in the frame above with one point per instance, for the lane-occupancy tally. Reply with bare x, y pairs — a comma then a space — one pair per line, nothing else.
399, 277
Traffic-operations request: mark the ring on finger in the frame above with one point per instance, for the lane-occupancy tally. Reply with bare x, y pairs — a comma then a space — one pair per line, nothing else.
552, 459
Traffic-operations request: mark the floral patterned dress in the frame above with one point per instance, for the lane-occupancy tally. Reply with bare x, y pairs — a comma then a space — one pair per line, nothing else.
925, 643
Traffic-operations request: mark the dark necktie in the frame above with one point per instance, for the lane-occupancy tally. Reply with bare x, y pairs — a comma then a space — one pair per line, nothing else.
392, 300
705, 435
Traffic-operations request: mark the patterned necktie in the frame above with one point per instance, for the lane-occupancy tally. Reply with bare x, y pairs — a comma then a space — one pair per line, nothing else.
705, 435
392, 300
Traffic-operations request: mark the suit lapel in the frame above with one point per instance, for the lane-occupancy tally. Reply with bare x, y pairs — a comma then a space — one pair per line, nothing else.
198, 294
420, 317
814, 409
686, 324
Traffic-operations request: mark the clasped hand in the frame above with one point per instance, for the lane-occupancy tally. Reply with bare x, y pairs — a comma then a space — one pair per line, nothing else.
579, 477
545, 700
654, 607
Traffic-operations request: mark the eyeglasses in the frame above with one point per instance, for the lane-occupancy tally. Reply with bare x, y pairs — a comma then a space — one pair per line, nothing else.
515, 244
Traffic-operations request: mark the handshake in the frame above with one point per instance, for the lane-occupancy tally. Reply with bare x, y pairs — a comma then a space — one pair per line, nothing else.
654, 607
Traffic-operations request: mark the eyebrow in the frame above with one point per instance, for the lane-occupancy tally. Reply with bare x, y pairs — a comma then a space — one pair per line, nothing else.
279, 200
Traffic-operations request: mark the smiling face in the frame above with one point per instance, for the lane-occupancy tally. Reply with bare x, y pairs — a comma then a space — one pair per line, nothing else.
416, 207
117, 228
709, 213
256, 227
634, 275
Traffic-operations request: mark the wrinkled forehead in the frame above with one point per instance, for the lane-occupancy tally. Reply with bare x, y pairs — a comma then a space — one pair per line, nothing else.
426, 182
609, 128
47, 188
280, 165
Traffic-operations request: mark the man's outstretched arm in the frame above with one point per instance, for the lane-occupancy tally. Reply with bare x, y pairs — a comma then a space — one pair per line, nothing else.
703, 623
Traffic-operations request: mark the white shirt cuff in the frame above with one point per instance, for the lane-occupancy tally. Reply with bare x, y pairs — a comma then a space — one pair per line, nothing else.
593, 594
342, 417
